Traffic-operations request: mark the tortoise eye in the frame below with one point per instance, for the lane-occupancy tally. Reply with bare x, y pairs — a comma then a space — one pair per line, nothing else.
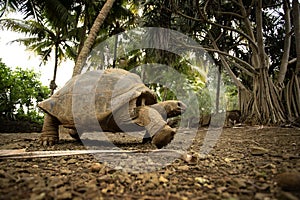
179, 104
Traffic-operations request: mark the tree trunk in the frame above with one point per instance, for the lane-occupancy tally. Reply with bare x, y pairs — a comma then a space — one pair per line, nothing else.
92, 36
296, 15
266, 107
244, 94
287, 44
53, 85
292, 90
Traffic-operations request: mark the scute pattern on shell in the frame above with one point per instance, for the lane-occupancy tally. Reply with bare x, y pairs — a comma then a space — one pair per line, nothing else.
97, 93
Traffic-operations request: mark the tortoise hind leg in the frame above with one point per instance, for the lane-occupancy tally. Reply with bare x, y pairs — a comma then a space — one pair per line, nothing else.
50, 131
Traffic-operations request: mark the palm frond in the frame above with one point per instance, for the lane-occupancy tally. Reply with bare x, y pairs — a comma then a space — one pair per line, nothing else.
29, 8
28, 27
32, 8
25, 41
16, 25
71, 52
7, 5
58, 13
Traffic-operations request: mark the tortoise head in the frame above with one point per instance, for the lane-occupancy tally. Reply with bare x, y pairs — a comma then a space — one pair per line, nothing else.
173, 107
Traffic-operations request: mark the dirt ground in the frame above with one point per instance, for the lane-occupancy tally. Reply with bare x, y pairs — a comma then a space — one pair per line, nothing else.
244, 164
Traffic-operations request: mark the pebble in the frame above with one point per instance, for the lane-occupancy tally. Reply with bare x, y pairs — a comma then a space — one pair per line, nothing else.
201, 180
72, 161
163, 179
65, 171
62, 161
240, 183
40, 196
96, 167
184, 168
65, 195
258, 151
261, 196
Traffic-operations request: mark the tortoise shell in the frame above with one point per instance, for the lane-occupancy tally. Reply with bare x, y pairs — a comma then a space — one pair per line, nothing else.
98, 93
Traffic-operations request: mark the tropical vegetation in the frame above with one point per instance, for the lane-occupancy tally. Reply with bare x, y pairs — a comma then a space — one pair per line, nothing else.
20, 90
256, 44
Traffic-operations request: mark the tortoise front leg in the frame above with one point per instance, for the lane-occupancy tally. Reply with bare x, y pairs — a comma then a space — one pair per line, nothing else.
163, 136
155, 125
50, 134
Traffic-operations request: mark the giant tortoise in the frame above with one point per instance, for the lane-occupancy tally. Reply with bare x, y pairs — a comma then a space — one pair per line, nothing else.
117, 99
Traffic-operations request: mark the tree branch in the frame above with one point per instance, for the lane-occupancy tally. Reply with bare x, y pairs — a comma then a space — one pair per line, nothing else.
252, 69
221, 26
225, 64
230, 13
292, 61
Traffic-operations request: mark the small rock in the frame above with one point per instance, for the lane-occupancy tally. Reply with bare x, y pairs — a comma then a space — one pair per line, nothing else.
65, 171
72, 161
268, 166
289, 181
56, 182
258, 151
240, 183
65, 195
212, 196
189, 158
221, 190
229, 160
226, 195
41, 196
163, 179
287, 156
261, 196
184, 168
263, 186
109, 188
96, 167
201, 180
62, 161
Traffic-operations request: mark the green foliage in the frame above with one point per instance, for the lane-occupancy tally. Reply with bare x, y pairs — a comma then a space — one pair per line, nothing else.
20, 90
232, 97
231, 92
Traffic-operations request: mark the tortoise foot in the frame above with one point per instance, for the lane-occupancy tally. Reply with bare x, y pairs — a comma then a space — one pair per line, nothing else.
74, 134
147, 138
48, 138
50, 131
163, 137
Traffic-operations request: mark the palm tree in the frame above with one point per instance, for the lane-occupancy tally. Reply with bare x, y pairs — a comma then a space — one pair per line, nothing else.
47, 32
83, 17
44, 38
92, 36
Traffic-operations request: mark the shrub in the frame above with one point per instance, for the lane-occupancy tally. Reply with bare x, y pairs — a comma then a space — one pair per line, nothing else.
20, 90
